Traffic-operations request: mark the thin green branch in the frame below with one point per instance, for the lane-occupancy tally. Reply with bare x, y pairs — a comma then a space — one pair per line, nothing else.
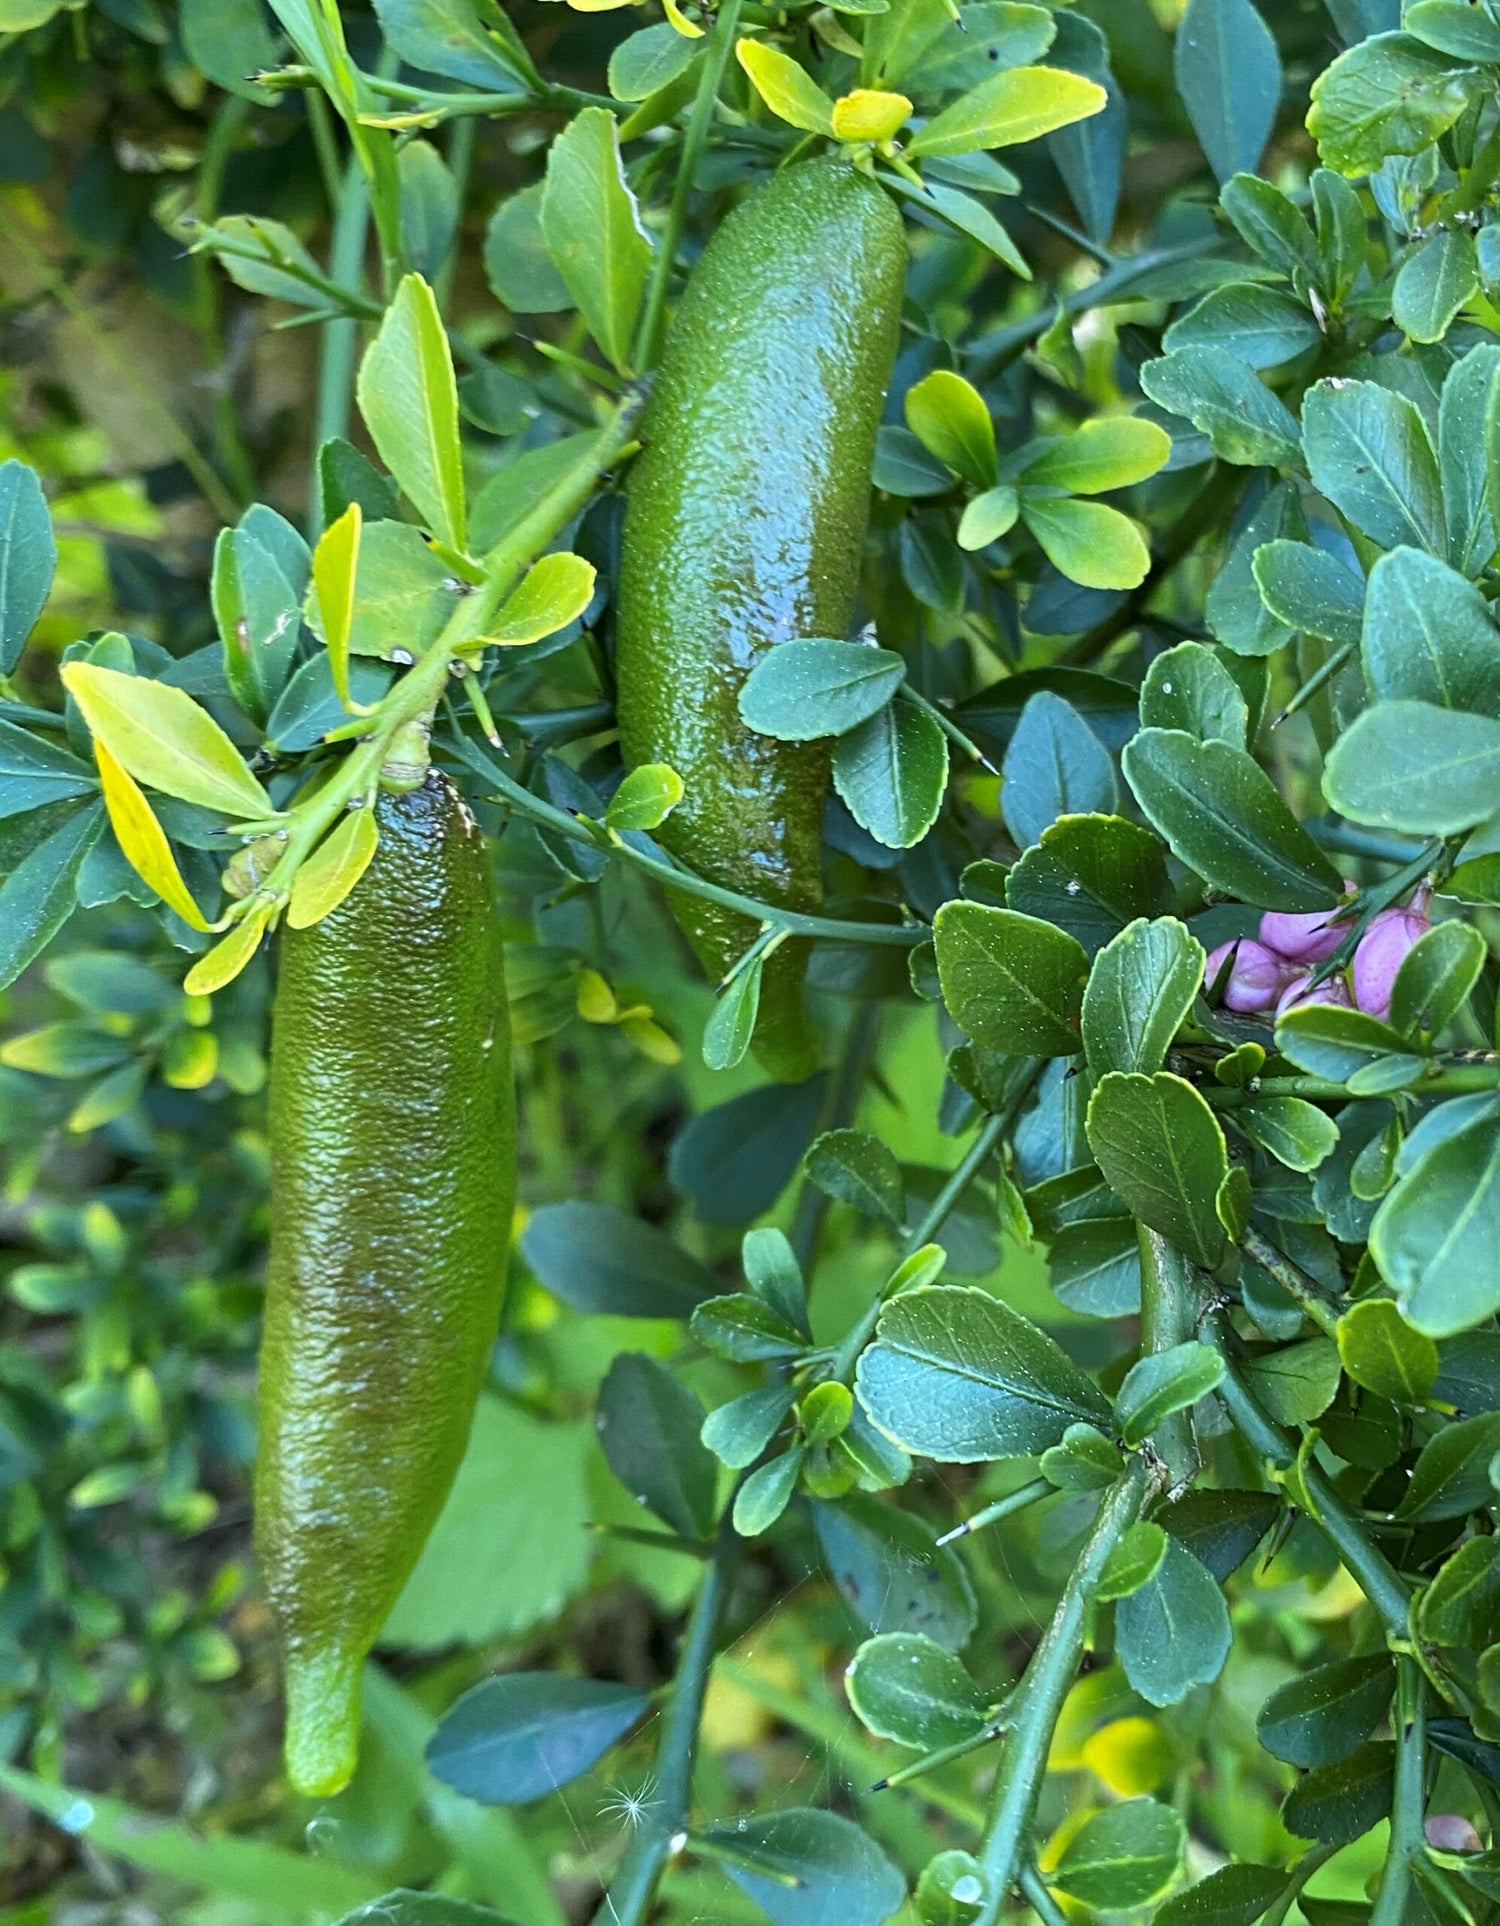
1307, 1867
1034, 1892
632, 1892
1292, 1279
1445, 1080
653, 312
1038, 1699
1022, 1499
1408, 1806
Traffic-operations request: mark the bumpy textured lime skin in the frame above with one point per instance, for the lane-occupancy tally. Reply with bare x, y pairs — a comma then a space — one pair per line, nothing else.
744, 527
393, 1160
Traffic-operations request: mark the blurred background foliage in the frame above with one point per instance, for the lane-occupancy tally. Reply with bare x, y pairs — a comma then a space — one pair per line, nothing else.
157, 400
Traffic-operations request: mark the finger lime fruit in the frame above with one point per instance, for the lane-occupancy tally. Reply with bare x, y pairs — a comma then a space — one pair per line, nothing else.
744, 527
393, 1162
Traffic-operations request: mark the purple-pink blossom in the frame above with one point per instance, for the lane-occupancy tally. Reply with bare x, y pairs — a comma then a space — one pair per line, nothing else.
1256, 977
1382, 950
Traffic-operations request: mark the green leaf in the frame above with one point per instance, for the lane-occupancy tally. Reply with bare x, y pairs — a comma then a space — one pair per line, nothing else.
461, 40
409, 400
747, 1330
1306, 588
738, 1432
405, 1908
1010, 982
1414, 767
1104, 452
802, 1868
1140, 989
788, 89
882, 1561
988, 516
1236, 1895
815, 687
1225, 400
891, 771
593, 230
645, 798
1338, 1803
1219, 811
1010, 107
1085, 1460
967, 215
1134, 1561
859, 1170
1090, 875
1163, 1382
1388, 95
1434, 1236
1295, 1131
428, 205
1436, 280
1054, 766
1435, 978
1327, 1713
648, 1423
1089, 542
1297, 1383
774, 1275
1454, 28
1369, 452
1189, 689
39, 895
1382, 1352
649, 60
597, 1258
1262, 326
1174, 1632
1124, 1856
1463, 457
1461, 1607
486, 1572
1451, 1477
948, 416
335, 565
518, 1737
1229, 77
1327, 1040
1270, 225
1162, 1153
333, 869
905, 1687
553, 592
159, 735
517, 263
1428, 636
1235, 610
1094, 1267
766, 1493
28, 558
958, 1376
35, 772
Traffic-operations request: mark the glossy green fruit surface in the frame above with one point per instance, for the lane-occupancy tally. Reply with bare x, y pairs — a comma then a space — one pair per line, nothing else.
745, 522
393, 1166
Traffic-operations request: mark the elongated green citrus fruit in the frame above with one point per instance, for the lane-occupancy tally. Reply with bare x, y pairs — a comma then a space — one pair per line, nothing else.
745, 522
393, 1164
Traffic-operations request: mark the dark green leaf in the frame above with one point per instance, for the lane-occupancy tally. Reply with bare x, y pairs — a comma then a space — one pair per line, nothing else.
1339, 1803
466, 40
885, 1565
735, 1160
1452, 1475
859, 1169
957, 1375
1091, 875
28, 558
891, 771
1428, 636
1263, 326
1123, 1857
597, 1258
1294, 1131
1270, 225
1308, 589
806, 689
1296, 1383
35, 772
1435, 281
517, 263
1010, 982
731, 1024
1221, 1528
1368, 450
904, 1686
1461, 1607
1189, 689
1229, 76
1413, 767
803, 1868
1095, 1267
1163, 1382
38, 896
1225, 400
1162, 1152
1435, 978
524, 1734
1140, 989
1235, 1895
1327, 1713
1173, 1633
648, 60
648, 1423
1054, 766
746, 1329
1222, 816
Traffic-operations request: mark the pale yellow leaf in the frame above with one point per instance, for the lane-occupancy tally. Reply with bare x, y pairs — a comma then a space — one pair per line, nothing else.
162, 737
866, 114
333, 869
334, 566
1017, 105
143, 841
223, 963
788, 90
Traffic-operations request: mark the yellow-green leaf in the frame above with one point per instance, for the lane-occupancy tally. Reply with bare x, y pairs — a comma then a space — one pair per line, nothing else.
555, 591
335, 564
788, 90
867, 114
143, 841
1110, 451
409, 399
162, 737
1089, 542
948, 416
223, 963
689, 29
333, 869
988, 517
1009, 107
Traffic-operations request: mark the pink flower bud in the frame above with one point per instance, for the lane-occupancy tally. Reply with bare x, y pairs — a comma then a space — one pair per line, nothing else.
1302, 939
1302, 990
1451, 1832
1382, 949
1256, 978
